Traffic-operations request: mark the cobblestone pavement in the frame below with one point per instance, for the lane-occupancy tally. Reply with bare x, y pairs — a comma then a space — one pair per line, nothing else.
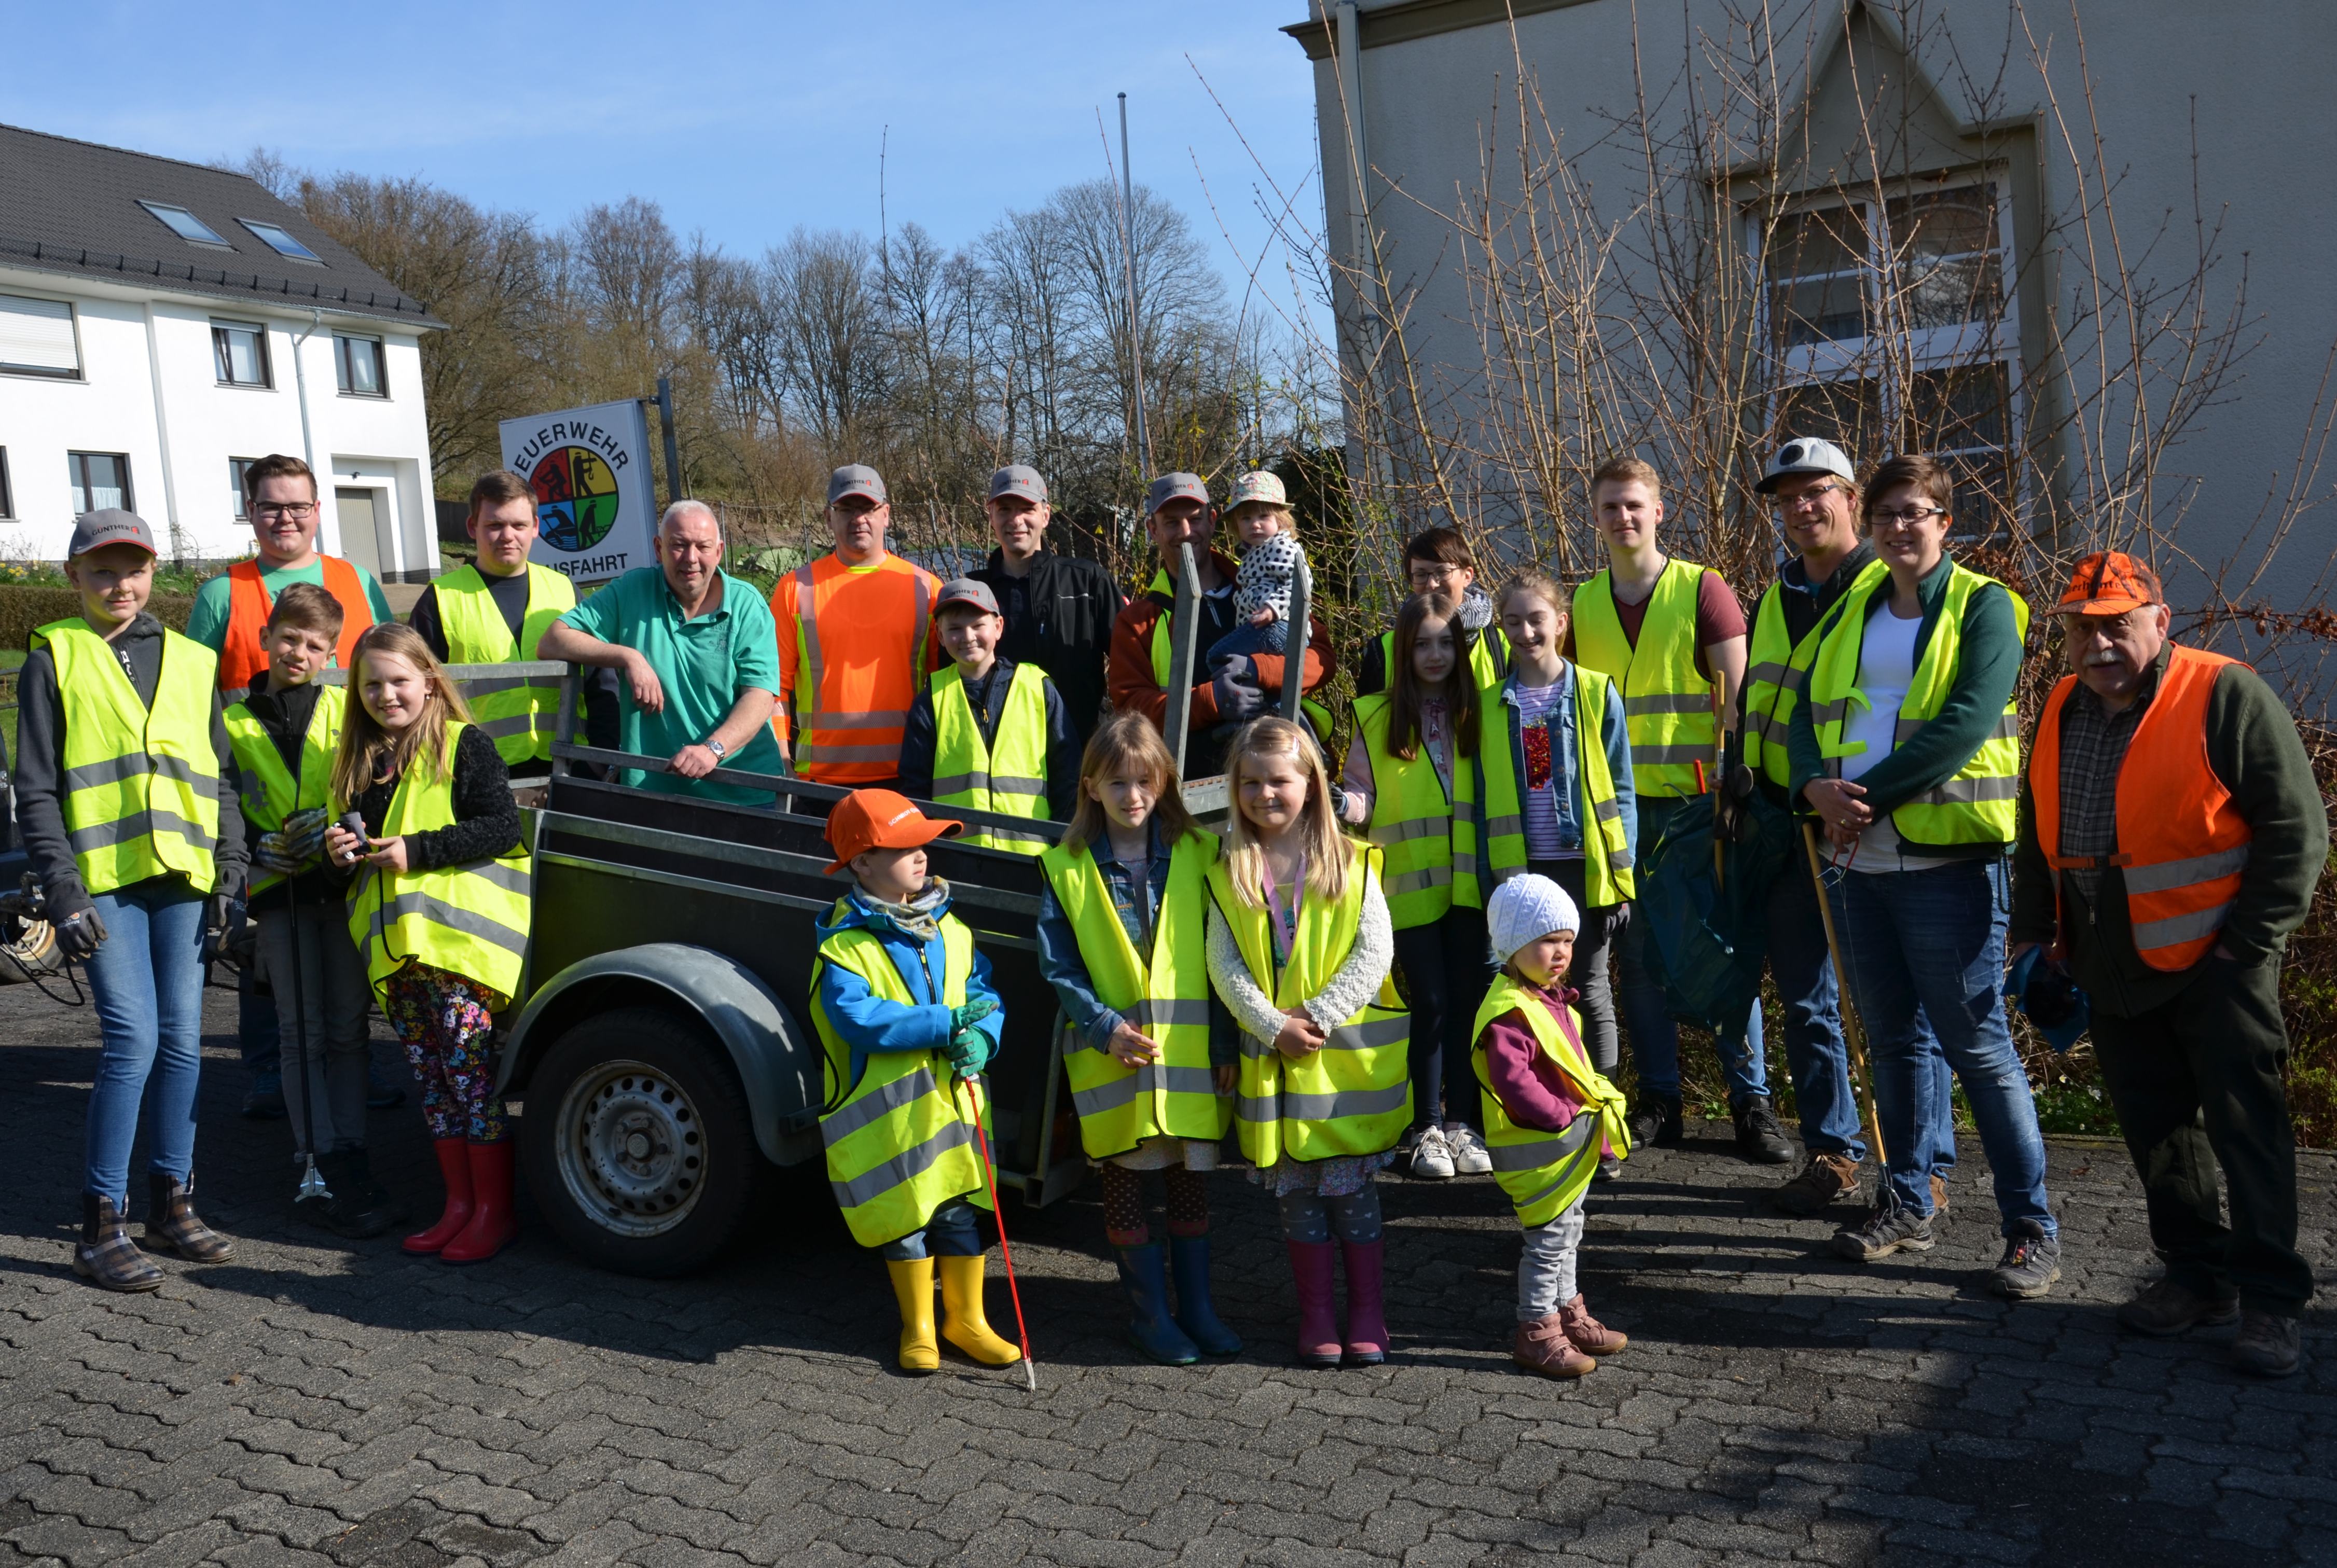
346, 1406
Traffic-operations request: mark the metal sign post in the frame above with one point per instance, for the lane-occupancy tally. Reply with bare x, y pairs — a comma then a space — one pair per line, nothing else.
673, 453
1184, 647
1294, 644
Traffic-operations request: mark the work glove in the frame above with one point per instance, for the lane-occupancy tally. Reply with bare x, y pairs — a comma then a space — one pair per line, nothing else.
969, 1048
973, 1012
303, 833
272, 854
220, 922
1238, 701
80, 934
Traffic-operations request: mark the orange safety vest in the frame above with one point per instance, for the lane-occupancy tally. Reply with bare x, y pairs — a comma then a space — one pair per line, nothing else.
2181, 845
244, 653
855, 645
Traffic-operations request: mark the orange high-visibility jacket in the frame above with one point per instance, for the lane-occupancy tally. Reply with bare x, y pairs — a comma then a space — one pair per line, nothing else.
855, 644
242, 654
2181, 846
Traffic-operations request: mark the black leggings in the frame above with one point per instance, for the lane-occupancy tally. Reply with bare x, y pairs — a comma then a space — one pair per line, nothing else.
1446, 968
1123, 1204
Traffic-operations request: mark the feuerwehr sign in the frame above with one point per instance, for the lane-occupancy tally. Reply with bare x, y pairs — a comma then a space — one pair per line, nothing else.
595, 501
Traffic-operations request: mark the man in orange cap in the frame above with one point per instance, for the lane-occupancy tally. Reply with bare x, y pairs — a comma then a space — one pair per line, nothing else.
2166, 875
904, 1006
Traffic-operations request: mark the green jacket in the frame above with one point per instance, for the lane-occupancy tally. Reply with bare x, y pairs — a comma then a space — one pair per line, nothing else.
2254, 749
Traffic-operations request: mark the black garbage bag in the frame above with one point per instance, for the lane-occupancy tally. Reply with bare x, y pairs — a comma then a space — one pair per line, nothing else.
1707, 922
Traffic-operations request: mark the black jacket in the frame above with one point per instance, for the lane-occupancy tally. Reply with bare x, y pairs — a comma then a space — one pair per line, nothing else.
486, 819
1059, 618
916, 775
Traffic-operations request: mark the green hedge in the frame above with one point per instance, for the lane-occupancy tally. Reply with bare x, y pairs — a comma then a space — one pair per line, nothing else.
23, 607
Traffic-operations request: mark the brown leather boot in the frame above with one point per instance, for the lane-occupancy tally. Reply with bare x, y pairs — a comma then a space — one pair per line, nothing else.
1587, 1333
105, 1255
171, 1225
1827, 1179
1541, 1345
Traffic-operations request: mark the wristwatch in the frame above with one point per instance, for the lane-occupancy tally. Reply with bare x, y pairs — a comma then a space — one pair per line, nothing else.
716, 746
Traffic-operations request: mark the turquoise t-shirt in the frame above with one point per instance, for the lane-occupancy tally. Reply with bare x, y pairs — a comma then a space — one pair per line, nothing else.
207, 621
703, 661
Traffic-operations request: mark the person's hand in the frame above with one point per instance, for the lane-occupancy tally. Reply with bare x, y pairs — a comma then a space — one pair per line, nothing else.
1842, 838
1227, 1077
80, 934
1301, 1035
968, 1049
304, 831
1132, 1048
2020, 949
342, 847
1263, 615
649, 692
694, 761
964, 1017
1238, 701
1840, 802
388, 854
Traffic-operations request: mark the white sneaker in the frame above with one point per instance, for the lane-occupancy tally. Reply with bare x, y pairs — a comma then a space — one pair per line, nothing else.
1430, 1156
1469, 1155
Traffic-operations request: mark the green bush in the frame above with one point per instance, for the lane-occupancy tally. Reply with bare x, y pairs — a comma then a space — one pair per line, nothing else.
25, 606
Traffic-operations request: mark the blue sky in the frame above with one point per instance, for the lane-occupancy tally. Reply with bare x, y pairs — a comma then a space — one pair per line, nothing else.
741, 120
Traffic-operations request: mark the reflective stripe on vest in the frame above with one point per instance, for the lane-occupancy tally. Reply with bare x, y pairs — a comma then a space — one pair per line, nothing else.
900, 1143
836, 744
1609, 874
1165, 996
1428, 840
470, 920
520, 716
1318, 718
140, 785
265, 787
2181, 845
1543, 1173
1354, 1097
242, 653
1667, 704
1979, 805
1775, 671
1008, 776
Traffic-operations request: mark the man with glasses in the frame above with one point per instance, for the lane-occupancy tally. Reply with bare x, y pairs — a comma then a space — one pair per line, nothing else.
1439, 561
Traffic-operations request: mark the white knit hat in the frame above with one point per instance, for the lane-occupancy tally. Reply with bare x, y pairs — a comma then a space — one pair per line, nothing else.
1527, 909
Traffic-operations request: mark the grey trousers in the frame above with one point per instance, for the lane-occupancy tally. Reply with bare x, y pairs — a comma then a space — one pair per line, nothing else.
334, 999
1546, 1270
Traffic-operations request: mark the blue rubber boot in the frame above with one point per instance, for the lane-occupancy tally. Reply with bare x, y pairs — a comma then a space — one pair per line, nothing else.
1189, 1260
1152, 1330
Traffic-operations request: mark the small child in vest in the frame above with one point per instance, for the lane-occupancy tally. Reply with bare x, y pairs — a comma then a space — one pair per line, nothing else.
902, 1001
987, 734
1259, 511
1552, 1112
441, 831
1123, 937
286, 732
138, 860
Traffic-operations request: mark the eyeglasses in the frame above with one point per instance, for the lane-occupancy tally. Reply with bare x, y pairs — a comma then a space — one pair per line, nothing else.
1810, 497
1905, 516
295, 510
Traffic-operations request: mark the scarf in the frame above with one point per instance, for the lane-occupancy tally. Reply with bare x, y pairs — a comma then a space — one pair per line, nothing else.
920, 919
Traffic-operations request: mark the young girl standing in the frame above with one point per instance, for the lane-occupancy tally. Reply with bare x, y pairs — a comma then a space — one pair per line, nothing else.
1121, 939
440, 908
1412, 777
1299, 948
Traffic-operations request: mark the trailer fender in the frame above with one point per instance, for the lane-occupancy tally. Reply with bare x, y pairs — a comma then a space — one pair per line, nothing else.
778, 1061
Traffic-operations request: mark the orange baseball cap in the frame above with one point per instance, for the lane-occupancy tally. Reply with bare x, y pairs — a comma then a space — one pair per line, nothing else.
880, 820
2109, 583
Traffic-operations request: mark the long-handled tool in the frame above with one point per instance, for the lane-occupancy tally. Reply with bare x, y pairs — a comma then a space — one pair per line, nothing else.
312, 1182
998, 1212
1854, 1028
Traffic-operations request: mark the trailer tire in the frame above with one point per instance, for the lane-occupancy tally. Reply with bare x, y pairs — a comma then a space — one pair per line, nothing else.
637, 1145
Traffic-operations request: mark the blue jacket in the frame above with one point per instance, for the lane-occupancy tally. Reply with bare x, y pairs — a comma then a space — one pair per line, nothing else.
1615, 737
867, 1022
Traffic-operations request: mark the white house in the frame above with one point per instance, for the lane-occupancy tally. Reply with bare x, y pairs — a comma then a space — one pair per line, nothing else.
161, 324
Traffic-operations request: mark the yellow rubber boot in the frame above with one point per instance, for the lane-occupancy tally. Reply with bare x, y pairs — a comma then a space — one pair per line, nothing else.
913, 1287
963, 1324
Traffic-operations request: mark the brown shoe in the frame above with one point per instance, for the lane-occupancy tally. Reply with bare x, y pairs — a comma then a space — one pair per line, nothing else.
1825, 1180
105, 1255
2268, 1344
1587, 1333
2167, 1307
1939, 1197
171, 1225
1541, 1345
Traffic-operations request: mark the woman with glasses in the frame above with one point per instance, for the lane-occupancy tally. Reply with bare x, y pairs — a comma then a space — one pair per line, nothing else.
1907, 748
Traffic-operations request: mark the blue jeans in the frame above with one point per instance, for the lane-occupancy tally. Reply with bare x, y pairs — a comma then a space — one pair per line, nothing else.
951, 1233
1815, 1053
146, 983
1640, 994
1930, 944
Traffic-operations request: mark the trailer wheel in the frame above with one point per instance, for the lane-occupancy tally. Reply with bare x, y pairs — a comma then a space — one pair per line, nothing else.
28, 950
636, 1142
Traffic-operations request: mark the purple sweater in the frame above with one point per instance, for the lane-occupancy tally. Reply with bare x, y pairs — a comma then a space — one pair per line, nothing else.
1532, 1091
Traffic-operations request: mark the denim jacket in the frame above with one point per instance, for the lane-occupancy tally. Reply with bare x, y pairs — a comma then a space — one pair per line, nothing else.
867, 1022
1573, 808
1067, 971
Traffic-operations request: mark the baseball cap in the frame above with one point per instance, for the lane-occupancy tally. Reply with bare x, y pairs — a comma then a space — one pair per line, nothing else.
855, 479
1171, 487
2109, 583
879, 820
1806, 454
966, 591
96, 530
1019, 479
1258, 485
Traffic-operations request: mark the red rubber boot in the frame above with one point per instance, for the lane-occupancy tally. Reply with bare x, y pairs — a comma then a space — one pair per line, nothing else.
1312, 1268
455, 1165
1367, 1335
492, 1225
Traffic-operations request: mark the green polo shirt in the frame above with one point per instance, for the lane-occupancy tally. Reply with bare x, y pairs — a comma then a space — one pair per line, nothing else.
703, 661
207, 621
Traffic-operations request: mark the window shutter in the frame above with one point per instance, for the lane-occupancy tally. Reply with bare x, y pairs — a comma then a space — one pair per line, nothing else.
37, 334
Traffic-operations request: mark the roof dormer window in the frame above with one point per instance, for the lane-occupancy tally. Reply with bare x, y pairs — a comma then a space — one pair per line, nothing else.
185, 225
280, 239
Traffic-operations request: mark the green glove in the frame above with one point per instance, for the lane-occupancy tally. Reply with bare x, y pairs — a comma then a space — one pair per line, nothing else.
973, 1012
968, 1050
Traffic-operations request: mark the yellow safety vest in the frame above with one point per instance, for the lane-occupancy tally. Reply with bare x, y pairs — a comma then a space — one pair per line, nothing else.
1318, 718
1980, 805
1008, 776
140, 785
1544, 1173
1354, 1097
468, 920
520, 716
1165, 995
1429, 841
1609, 858
1666, 703
1489, 657
266, 788
900, 1142
1774, 672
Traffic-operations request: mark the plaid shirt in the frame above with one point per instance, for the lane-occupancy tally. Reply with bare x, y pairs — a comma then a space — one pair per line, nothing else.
2092, 748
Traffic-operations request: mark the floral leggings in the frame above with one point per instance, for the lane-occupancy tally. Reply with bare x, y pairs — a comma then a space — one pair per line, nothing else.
447, 1023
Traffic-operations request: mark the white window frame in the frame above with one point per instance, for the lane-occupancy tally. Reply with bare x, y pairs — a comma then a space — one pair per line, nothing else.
80, 372
77, 469
235, 471
7, 498
341, 377
267, 382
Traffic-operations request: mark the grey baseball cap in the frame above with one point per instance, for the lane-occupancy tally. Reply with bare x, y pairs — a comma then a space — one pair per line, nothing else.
96, 530
1019, 479
1171, 487
1806, 455
855, 479
966, 591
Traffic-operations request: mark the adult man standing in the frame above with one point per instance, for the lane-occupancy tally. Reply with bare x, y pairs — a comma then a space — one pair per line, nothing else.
698, 657
856, 643
1671, 635
1057, 608
1176, 512
496, 612
2168, 873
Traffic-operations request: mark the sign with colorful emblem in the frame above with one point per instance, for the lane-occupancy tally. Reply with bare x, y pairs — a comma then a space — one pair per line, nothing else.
595, 501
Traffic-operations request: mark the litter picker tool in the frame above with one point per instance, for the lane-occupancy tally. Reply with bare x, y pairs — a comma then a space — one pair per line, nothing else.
312, 1182
998, 1212
1854, 1028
